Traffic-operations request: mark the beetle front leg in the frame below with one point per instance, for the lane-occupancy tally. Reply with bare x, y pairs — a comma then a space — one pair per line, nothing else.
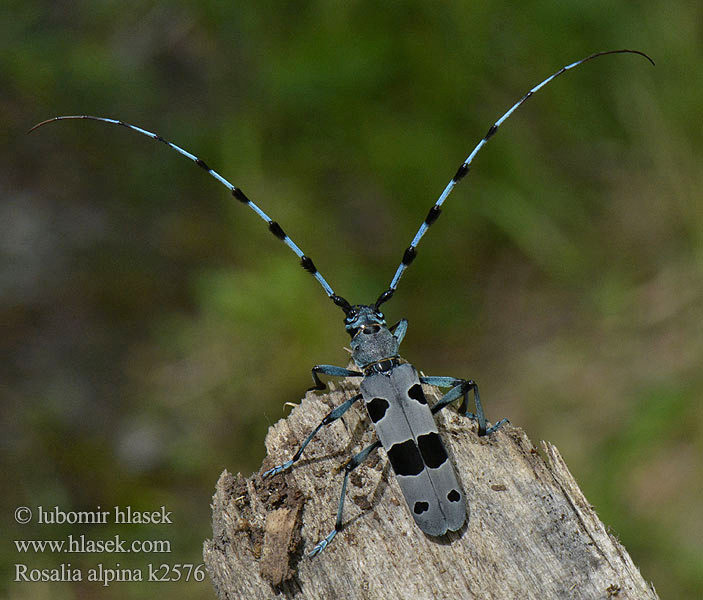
333, 372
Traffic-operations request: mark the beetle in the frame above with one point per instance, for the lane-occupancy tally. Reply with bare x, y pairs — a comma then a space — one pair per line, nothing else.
390, 387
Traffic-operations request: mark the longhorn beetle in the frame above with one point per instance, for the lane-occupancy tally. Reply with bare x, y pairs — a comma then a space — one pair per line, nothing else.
390, 387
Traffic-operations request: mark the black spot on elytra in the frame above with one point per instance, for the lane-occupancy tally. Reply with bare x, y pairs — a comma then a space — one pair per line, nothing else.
405, 458
453, 496
416, 393
432, 450
421, 507
377, 408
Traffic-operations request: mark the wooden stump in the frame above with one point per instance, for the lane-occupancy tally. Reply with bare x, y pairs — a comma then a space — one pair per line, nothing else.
531, 533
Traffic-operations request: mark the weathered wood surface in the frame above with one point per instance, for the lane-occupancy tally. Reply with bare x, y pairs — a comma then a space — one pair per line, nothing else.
531, 532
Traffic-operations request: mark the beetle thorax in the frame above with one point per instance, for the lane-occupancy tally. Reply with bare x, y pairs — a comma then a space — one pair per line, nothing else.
372, 341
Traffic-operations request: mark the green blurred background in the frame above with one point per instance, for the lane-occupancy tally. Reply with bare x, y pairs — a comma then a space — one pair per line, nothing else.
153, 329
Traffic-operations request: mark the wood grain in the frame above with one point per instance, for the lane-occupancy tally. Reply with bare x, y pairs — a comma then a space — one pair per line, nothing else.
531, 532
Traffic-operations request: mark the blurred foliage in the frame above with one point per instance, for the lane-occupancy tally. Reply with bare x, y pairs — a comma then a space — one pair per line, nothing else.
153, 328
